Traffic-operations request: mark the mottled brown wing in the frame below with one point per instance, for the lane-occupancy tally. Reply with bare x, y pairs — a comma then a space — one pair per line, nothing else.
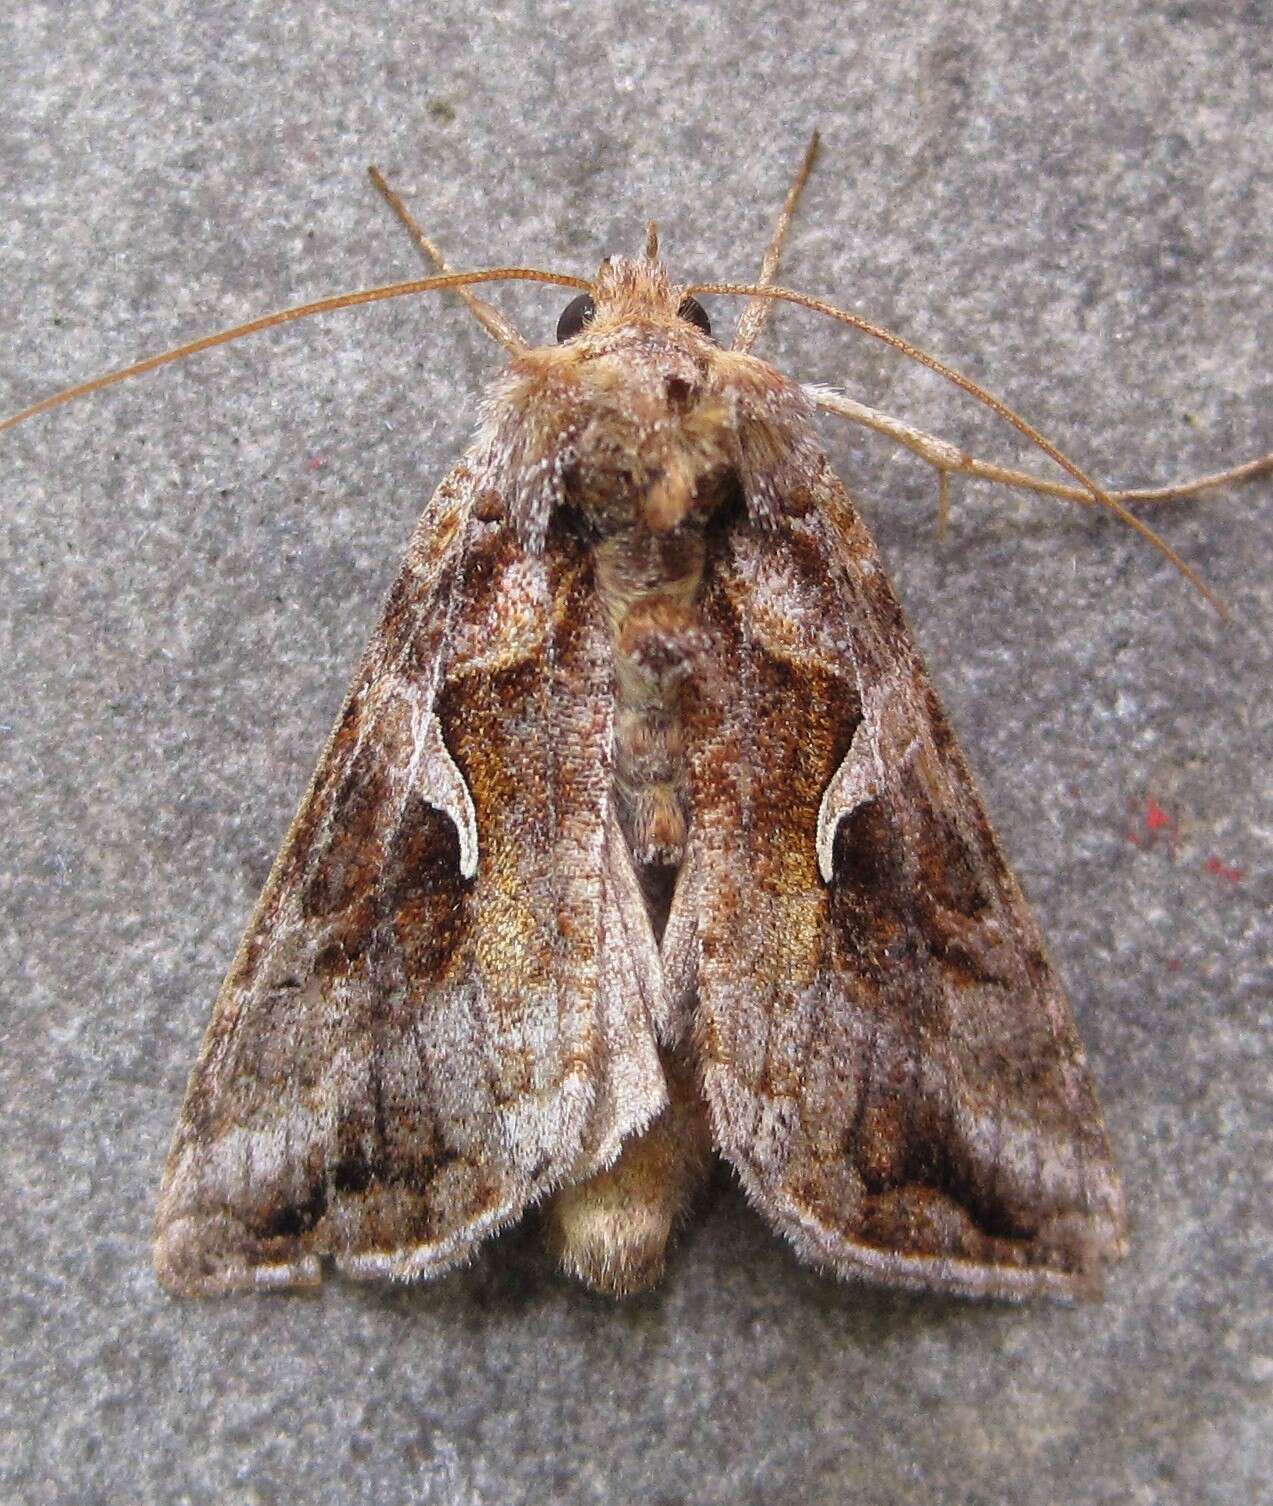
886, 1052
443, 1005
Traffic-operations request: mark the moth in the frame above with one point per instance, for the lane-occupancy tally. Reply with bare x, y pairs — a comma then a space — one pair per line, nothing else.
641, 839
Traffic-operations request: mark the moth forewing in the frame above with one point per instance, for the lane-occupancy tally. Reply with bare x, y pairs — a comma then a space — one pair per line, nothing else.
412, 1045
886, 1053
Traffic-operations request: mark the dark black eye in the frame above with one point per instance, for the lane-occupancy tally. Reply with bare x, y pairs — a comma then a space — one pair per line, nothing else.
574, 316
694, 312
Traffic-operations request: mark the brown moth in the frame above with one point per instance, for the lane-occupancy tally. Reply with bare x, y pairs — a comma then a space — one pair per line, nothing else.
642, 837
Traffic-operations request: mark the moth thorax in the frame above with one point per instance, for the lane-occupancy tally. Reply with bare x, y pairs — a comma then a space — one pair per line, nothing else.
662, 491
654, 445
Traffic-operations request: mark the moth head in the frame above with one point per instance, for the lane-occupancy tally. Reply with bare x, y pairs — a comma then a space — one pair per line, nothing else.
635, 416
631, 290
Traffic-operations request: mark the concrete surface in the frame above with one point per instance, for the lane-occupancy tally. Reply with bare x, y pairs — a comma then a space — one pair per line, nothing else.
1072, 202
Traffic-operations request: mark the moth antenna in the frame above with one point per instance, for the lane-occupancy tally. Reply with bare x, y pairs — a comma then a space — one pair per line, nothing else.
974, 389
286, 316
756, 315
487, 315
651, 241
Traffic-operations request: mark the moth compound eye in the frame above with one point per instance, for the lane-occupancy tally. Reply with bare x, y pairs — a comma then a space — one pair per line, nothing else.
693, 312
574, 316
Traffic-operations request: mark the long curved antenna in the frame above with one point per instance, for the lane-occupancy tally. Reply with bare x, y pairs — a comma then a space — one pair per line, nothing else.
285, 316
756, 315
974, 389
487, 315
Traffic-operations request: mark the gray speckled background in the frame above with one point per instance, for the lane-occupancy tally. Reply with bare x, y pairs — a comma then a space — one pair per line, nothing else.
1074, 203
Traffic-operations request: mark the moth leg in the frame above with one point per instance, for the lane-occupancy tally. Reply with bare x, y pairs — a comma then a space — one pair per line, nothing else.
946, 458
612, 1230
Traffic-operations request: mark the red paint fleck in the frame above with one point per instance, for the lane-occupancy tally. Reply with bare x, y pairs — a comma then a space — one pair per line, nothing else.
315, 463
1156, 819
1174, 964
1217, 868
1150, 820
